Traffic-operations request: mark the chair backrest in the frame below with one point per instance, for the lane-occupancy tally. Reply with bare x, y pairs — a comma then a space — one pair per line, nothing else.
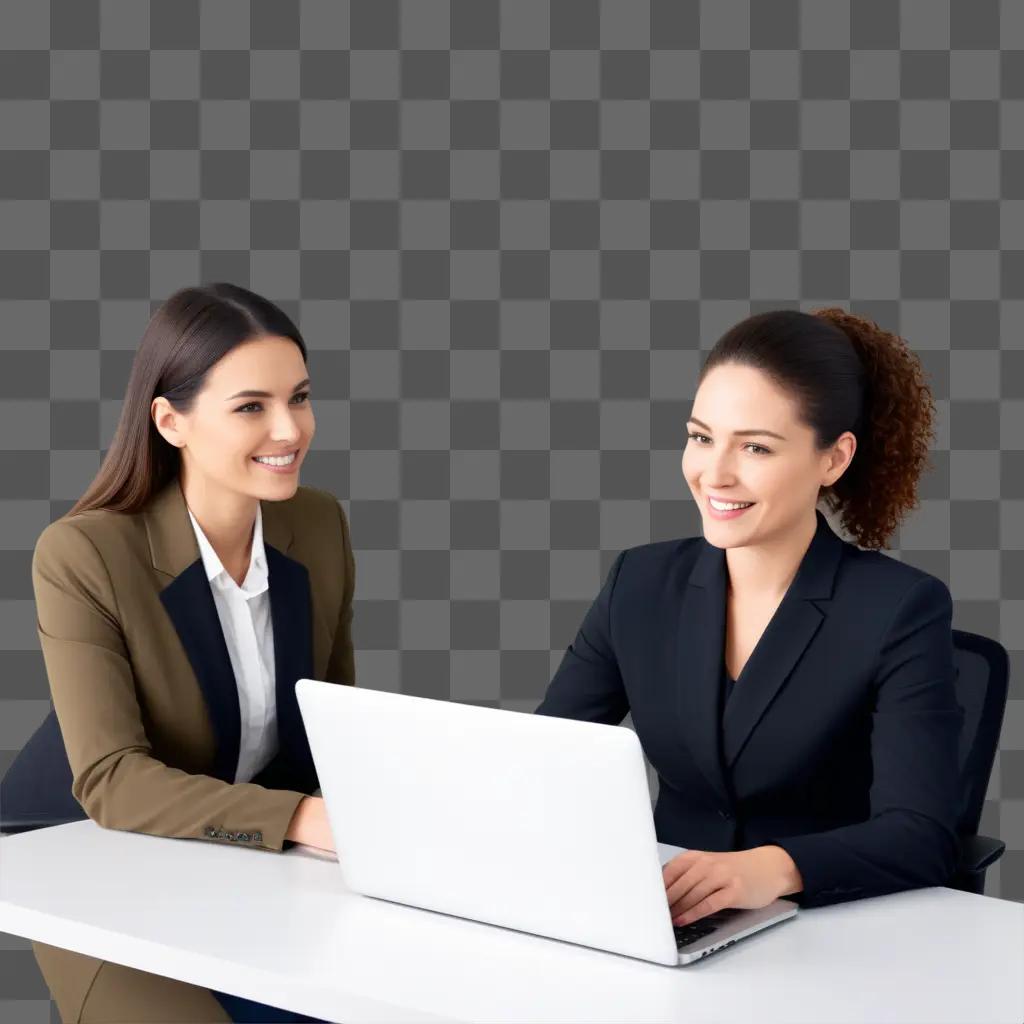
982, 682
36, 790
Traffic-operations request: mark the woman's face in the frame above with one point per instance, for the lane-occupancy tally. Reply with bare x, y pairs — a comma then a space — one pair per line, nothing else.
225, 429
775, 465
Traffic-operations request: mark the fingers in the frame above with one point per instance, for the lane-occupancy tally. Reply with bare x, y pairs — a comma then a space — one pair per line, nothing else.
718, 900
696, 885
675, 868
689, 901
684, 883
699, 868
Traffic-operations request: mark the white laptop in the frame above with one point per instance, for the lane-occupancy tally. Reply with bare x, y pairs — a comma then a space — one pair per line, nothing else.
524, 821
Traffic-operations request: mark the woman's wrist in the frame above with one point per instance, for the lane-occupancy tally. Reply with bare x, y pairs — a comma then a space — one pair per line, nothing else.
309, 825
791, 881
297, 826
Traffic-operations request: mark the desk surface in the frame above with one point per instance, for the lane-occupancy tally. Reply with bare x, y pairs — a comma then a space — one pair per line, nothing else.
283, 929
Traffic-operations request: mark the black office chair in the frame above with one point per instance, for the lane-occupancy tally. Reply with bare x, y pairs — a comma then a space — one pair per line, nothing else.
36, 791
982, 683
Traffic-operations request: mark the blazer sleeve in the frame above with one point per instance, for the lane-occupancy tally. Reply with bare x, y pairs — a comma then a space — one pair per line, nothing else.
588, 683
341, 665
910, 839
115, 777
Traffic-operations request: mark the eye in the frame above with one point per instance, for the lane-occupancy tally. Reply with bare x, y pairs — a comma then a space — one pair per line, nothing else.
761, 450
245, 408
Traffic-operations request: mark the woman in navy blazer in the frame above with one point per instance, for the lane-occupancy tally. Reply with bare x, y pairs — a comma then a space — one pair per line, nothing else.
793, 691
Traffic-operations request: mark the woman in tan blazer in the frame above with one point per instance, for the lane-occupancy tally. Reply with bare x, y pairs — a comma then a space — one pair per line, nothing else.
138, 663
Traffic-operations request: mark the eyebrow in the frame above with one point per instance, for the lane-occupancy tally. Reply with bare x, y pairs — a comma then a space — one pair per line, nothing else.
263, 394
740, 433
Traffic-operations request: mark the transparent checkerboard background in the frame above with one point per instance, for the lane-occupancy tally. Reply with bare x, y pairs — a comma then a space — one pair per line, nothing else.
509, 231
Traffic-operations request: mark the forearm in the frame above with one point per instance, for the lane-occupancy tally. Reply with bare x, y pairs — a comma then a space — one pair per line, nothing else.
889, 853
137, 793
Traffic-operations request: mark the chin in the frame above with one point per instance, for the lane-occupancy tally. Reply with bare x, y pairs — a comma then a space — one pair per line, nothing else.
723, 533
277, 490
282, 489
722, 542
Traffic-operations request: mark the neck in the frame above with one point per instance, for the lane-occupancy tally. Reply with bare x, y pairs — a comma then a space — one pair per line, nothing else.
226, 517
766, 570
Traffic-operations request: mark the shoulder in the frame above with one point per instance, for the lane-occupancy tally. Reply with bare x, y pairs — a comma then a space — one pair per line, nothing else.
876, 580
882, 581
316, 517
662, 552
313, 505
311, 502
85, 534
648, 562
73, 556
883, 568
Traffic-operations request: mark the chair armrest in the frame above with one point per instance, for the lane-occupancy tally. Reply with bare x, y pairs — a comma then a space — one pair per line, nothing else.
978, 852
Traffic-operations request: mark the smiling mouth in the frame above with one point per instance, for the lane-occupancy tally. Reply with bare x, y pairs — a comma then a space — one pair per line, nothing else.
729, 506
291, 456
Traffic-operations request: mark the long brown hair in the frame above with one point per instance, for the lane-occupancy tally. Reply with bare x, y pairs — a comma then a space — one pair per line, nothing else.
847, 373
190, 332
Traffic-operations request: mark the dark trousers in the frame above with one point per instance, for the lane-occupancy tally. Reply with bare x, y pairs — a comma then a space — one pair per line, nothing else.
245, 1011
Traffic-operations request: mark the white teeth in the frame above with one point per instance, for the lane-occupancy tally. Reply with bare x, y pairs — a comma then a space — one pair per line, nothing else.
719, 506
285, 460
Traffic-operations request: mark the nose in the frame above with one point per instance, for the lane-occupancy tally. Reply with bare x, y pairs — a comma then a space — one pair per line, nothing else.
286, 427
718, 470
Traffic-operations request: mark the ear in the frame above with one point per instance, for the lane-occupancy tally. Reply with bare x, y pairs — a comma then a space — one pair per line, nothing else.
166, 421
839, 457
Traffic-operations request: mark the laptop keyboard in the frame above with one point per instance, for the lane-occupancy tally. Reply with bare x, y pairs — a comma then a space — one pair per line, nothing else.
687, 934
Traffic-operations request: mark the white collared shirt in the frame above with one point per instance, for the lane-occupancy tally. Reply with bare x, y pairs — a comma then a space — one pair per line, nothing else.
244, 614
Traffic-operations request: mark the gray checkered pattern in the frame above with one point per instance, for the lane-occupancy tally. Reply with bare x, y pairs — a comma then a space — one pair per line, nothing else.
508, 232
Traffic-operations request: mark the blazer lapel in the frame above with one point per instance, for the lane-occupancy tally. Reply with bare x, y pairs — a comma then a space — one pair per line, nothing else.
698, 661
291, 616
190, 605
702, 646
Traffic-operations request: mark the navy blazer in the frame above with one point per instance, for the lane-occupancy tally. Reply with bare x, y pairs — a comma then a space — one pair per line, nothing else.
840, 740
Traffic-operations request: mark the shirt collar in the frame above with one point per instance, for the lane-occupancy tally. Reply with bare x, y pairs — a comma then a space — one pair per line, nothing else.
256, 579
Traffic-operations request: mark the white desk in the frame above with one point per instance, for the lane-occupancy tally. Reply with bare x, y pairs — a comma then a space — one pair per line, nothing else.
284, 930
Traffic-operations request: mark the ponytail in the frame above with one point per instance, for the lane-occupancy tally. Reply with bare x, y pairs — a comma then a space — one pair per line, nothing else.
894, 431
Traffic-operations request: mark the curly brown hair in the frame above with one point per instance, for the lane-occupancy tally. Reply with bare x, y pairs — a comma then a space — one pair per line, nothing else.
847, 373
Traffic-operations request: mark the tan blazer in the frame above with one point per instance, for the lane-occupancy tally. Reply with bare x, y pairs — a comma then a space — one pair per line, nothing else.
140, 674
